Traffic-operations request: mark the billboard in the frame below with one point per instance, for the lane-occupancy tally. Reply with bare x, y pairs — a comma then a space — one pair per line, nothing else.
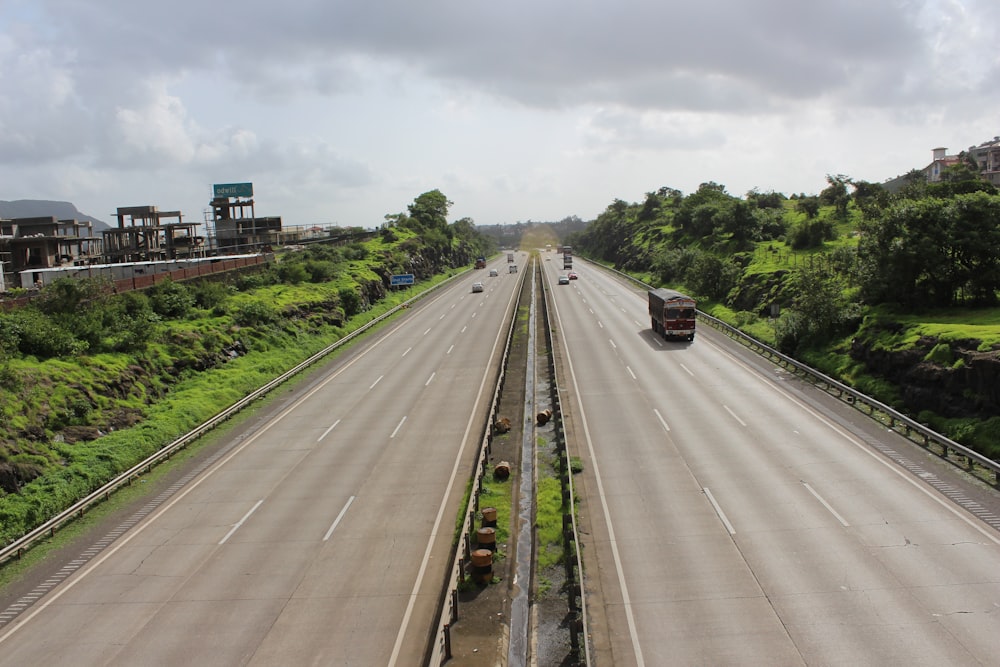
232, 190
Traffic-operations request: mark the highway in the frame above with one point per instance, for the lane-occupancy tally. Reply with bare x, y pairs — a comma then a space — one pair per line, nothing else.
731, 517
323, 536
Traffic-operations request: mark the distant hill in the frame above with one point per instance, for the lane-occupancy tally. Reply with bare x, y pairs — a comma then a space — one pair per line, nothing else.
40, 208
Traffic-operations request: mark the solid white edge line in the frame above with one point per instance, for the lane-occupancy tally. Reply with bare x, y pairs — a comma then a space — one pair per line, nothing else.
612, 541
398, 645
69, 584
888, 463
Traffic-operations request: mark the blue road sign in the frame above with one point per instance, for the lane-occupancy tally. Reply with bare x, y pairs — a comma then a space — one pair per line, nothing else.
401, 279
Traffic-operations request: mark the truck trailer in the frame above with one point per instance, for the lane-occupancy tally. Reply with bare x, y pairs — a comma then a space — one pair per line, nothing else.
672, 313
480, 262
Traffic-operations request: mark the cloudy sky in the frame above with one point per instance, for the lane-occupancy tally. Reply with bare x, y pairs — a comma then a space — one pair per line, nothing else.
344, 111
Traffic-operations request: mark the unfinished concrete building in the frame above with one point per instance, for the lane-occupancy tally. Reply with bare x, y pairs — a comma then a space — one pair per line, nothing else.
239, 230
44, 243
145, 234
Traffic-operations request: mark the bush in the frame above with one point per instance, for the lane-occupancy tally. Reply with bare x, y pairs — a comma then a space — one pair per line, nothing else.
170, 299
350, 301
255, 313
34, 334
210, 294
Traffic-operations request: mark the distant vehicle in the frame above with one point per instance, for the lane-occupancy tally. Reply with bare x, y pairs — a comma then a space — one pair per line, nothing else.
494, 273
572, 275
480, 262
477, 287
512, 268
672, 313
564, 280
510, 257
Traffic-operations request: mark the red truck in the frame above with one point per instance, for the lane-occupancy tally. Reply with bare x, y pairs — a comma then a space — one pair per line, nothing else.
672, 313
480, 262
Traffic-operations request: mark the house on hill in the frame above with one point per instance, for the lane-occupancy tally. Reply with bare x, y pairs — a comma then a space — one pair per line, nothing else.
940, 161
987, 156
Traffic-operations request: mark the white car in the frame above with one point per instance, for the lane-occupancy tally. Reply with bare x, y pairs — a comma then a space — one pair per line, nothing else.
494, 273
477, 287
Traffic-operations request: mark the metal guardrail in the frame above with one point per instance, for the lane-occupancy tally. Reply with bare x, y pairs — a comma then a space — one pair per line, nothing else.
579, 626
49, 528
970, 460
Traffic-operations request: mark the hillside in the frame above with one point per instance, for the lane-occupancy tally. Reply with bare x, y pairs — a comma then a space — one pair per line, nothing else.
894, 294
92, 382
39, 208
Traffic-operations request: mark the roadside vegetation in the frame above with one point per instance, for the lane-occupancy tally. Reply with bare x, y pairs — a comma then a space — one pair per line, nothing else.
92, 382
893, 292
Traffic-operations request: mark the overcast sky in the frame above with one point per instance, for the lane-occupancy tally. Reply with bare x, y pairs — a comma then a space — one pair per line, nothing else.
342, 112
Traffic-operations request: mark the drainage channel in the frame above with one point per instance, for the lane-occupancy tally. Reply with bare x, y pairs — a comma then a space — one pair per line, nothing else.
517, 652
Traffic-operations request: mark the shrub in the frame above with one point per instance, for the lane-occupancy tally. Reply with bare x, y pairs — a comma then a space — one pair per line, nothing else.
255, 313
170, 299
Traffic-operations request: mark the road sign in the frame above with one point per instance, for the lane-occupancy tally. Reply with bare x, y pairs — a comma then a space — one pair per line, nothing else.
401, 279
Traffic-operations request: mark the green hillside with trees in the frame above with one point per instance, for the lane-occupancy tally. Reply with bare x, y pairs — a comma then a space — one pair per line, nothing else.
92, 382
894, 293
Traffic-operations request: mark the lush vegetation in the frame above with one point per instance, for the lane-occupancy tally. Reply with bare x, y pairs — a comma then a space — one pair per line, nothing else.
91, 382
841, 279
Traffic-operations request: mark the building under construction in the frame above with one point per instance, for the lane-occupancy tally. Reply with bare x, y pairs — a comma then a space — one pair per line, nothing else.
237, 227
146, 234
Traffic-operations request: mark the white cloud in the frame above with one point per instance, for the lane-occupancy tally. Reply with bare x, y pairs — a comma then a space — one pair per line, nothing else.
345, 111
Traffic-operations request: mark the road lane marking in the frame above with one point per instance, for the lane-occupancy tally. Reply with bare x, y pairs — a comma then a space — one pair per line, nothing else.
600, 324
718, 510
631, 373
406, 353
327, 431
337, 520
742, 423
612, 540
826, 505
241, 521
398, 426
662, 420
430, 379
612, 343
450, 349
439, 519
877, 450
688, 370
428, 330
372, 385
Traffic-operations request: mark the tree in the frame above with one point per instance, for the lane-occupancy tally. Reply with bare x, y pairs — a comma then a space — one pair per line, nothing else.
430, 210
809, 206
836, 194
